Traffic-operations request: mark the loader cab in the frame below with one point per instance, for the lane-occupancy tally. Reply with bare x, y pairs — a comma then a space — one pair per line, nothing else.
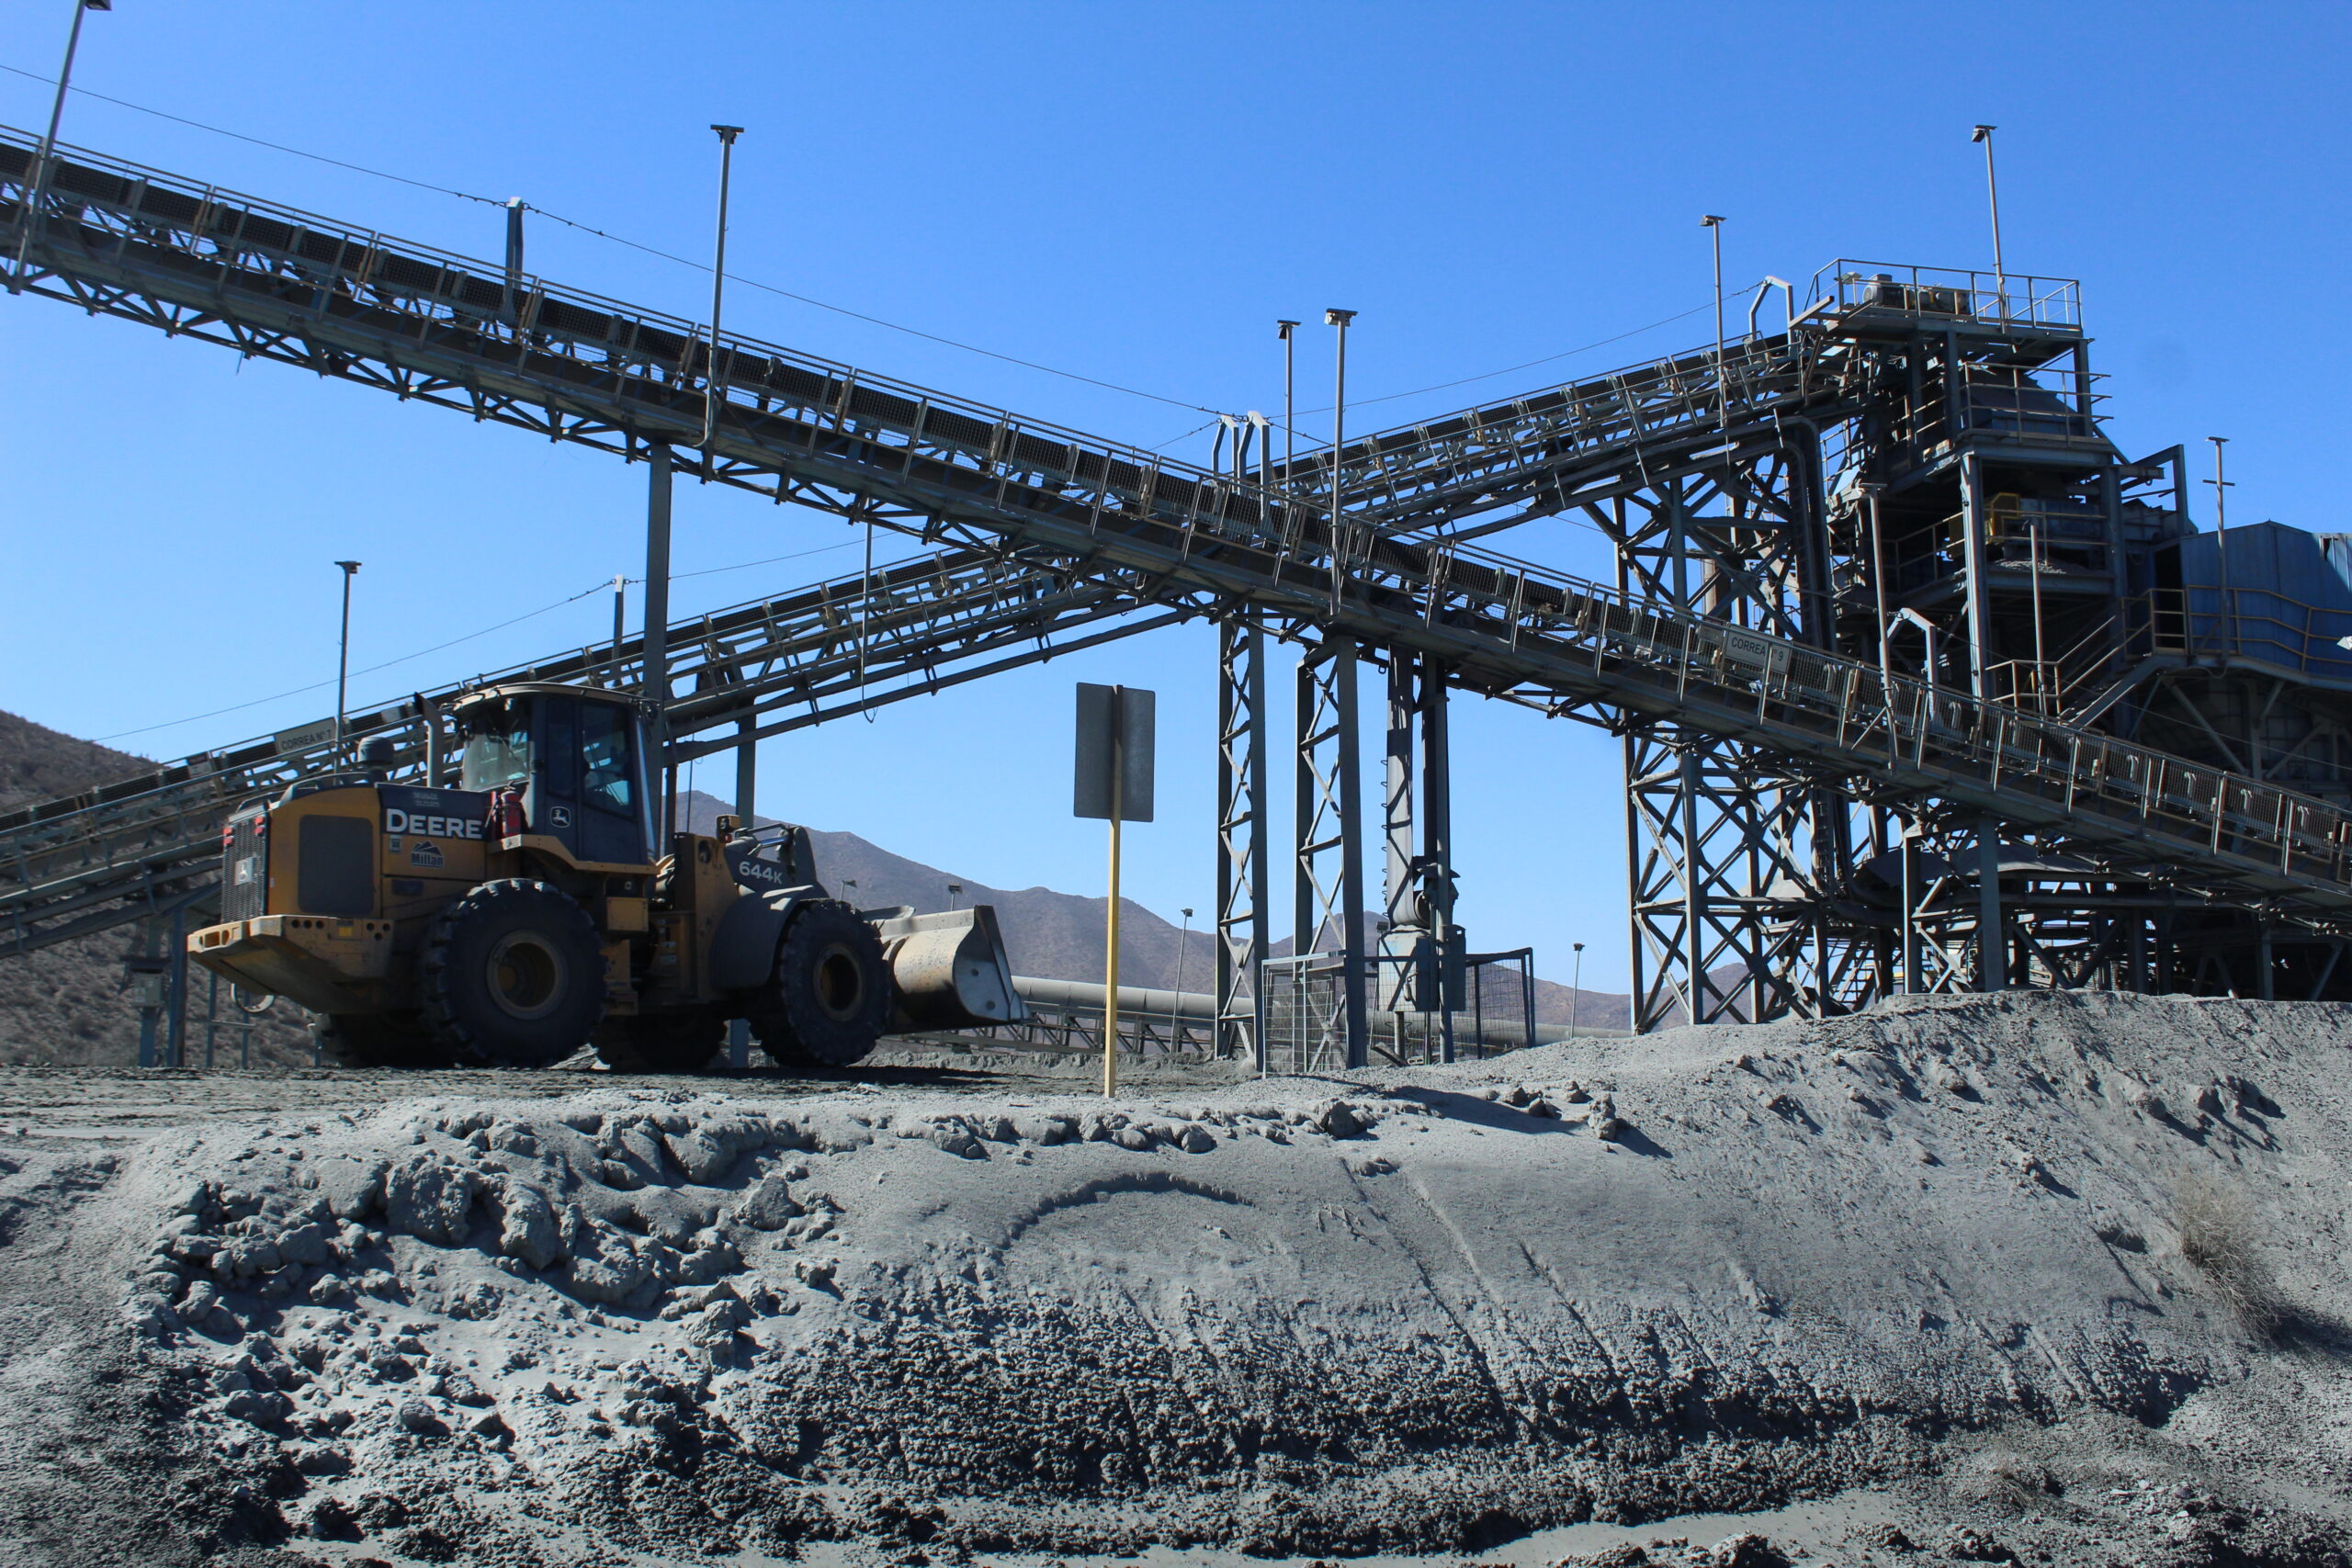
577, 756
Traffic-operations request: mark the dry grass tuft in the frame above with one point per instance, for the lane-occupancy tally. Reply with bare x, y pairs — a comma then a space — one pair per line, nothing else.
2217, 1237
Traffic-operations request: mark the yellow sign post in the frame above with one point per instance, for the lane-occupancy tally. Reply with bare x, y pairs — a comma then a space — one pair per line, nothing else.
1113, 781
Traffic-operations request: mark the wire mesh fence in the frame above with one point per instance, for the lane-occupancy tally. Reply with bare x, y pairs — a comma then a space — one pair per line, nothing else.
1306, 1011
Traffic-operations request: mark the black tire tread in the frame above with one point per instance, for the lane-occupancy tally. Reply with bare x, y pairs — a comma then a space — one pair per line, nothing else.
789, 1028
439, 1008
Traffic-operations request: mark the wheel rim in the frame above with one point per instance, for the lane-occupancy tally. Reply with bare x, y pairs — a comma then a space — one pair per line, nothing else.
525, 977
838, 984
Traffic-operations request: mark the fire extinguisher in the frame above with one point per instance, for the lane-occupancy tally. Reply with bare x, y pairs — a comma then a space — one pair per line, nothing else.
506, 817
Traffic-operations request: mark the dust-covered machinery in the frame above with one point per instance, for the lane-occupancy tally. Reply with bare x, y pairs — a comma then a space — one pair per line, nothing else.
523, 914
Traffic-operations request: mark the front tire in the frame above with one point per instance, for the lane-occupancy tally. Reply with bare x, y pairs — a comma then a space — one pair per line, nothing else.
829, 999
512, 976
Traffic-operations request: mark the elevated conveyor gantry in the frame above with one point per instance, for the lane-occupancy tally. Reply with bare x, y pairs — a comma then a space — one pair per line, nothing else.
120, 240
435, 328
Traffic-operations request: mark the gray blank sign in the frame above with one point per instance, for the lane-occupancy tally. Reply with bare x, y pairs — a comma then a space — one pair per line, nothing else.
1103, 712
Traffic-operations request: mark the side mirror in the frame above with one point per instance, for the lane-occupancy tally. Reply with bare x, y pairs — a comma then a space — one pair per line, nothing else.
728, 824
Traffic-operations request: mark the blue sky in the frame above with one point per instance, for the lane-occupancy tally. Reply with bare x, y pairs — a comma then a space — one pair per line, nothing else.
1132, 193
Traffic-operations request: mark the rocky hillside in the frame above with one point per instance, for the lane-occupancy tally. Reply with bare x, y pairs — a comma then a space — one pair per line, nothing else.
71, 1004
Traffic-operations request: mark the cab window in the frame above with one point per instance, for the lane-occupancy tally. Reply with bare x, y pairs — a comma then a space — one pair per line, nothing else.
558, 726
498, 749
603, 755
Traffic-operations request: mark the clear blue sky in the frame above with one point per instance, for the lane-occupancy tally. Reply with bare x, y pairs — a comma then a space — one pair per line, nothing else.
1133, 193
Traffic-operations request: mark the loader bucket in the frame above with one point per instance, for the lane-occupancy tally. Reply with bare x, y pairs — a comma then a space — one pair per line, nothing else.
949, 970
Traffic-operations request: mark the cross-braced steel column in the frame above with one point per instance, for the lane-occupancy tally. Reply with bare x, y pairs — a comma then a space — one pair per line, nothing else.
1437, 848
1725, 901
1327, 892
1718, 928
1418, 884
1242, 840
1402, 936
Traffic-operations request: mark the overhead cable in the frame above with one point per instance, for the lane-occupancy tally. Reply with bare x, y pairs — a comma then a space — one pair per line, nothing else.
440, 647
633, 244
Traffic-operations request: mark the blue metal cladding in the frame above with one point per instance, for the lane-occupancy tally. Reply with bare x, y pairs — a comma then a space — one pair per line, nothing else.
2270, 593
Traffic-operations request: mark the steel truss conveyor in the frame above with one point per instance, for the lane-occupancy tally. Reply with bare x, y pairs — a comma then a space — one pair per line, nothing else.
440, 328
858, 642
132, 243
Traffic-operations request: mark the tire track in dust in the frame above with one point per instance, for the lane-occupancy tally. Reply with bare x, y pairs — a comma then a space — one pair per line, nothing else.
1508, 1406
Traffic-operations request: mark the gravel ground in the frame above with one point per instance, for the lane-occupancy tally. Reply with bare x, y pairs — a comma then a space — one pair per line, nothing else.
2042, 1278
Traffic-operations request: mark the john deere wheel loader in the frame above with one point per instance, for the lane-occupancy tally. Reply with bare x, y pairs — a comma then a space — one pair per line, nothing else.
512, 920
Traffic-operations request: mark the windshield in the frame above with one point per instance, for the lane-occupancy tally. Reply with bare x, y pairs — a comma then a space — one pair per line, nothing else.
498, 749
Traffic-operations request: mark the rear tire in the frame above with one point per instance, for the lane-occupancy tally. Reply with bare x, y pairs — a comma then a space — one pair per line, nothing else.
661, 1041
512, 976
375, 1040
829, 999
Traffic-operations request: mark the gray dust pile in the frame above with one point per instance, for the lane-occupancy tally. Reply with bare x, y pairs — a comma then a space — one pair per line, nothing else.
2052, 1278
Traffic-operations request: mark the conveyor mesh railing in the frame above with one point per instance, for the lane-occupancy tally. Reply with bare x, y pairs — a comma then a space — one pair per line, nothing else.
2150, 809
1417, 475
437, 326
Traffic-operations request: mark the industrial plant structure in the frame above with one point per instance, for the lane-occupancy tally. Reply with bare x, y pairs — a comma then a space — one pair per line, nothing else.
1923, 684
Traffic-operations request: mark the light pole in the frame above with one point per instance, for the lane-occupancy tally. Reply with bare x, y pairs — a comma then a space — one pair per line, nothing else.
1338, 318
711, 388
1285, 330
1983, 134
955, 891
515, 207
48, 140
1575, 989
1713, 224
1175, 1007
343, 658
2222, 484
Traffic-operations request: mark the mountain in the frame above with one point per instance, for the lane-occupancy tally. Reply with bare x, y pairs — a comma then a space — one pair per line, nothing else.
1061, 936
1056, 936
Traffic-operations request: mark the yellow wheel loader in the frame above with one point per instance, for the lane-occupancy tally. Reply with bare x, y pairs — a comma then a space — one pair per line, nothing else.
525, 914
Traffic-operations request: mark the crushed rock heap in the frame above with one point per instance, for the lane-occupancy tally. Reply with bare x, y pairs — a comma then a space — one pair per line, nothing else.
1424, 1311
